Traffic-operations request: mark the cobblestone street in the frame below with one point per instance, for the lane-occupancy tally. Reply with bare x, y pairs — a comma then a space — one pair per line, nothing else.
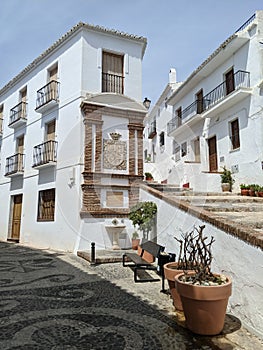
53, 300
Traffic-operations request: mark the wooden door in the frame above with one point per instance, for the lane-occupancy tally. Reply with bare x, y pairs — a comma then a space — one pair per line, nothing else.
230, 83
20, 151
16, 219
212, 151
51, 129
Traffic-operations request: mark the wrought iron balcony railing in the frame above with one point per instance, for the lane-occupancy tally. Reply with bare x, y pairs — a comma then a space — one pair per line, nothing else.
112, 83
45, 153
18, 113
48, 93
241, 79
14, 164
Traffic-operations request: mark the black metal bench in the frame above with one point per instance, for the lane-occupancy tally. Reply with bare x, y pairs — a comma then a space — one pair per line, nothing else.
143, 260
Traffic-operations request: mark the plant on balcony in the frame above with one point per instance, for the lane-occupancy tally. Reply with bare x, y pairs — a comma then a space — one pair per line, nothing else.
142, 216
227, 180
204, 294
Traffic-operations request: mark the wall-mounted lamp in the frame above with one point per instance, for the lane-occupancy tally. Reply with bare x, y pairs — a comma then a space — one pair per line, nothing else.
146, 103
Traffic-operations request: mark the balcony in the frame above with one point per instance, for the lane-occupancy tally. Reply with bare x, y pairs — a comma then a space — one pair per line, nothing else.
18, 115
47, 97
222, 97
45, 155
152, 130
112, 83
14, 165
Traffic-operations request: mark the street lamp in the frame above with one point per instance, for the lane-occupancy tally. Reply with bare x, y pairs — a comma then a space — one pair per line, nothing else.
146, 103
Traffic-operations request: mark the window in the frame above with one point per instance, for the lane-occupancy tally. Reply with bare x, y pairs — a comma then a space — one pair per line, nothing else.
161, 139
1, 117
46, 205
183, 149
50, 130
112, 73
234, 130
23, 98
176, 150
179, 116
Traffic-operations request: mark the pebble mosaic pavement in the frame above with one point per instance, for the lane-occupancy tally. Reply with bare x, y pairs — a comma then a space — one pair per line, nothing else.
51, 300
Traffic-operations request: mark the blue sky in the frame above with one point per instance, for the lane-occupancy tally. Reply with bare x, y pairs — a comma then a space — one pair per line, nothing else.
180, 33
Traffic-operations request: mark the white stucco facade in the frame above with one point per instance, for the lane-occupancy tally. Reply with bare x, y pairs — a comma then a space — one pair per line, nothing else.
77, 57
219, 106
231, 256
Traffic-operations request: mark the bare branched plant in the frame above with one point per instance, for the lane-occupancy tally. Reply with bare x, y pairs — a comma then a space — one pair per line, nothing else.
195, 254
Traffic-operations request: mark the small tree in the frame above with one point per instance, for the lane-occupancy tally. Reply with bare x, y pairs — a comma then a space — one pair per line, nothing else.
142, 215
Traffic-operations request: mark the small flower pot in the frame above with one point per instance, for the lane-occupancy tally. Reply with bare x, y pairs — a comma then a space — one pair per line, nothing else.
244, 192
135, 243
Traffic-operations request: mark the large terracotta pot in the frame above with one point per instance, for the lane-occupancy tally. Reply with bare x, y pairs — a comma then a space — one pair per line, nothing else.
204, 306
170, 271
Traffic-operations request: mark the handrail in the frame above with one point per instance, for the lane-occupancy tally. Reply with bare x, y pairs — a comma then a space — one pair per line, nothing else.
49, 92
18, 112
44, 153
14, 164
240, 79
251, 19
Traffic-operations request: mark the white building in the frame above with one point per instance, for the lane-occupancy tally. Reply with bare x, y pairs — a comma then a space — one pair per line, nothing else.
158, 146
217, 116
71, 130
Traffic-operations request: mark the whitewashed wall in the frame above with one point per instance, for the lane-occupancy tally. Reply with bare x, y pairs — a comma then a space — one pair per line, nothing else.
232, 256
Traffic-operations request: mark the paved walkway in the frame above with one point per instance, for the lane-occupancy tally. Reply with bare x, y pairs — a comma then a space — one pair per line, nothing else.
57, 301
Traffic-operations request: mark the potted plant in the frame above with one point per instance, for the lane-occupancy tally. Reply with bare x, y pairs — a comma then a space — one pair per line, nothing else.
142, 216
148, 176
227, 180
244, 190
204, 294
260, 191
252, 190
135, 240
183, 263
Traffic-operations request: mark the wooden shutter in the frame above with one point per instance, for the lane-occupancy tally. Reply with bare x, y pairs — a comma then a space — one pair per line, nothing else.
230, 83
112, 64
53, 74
51, 129
46, 205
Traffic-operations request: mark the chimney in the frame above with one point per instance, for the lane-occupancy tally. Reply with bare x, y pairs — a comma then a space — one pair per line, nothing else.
172, 76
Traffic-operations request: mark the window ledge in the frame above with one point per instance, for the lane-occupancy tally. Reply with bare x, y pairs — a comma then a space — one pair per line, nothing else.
192, 161
234, 150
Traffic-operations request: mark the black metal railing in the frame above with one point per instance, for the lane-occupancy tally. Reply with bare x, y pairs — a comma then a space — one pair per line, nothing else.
251, 19
45, 153
241, 79
48, 93
14, 164
112, 83
18, 112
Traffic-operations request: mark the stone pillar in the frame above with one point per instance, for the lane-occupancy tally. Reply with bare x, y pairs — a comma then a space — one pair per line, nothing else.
131, 149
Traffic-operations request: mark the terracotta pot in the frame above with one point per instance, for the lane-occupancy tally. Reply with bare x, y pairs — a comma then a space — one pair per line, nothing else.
260, 194
251, 193
204, 306
226, 187
244, 192
135, 243
170, 271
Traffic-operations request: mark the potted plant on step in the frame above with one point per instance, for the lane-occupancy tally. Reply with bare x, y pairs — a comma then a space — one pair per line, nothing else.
244, 190
183, 263
135, 240
227, 180
204, 294
148, 176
